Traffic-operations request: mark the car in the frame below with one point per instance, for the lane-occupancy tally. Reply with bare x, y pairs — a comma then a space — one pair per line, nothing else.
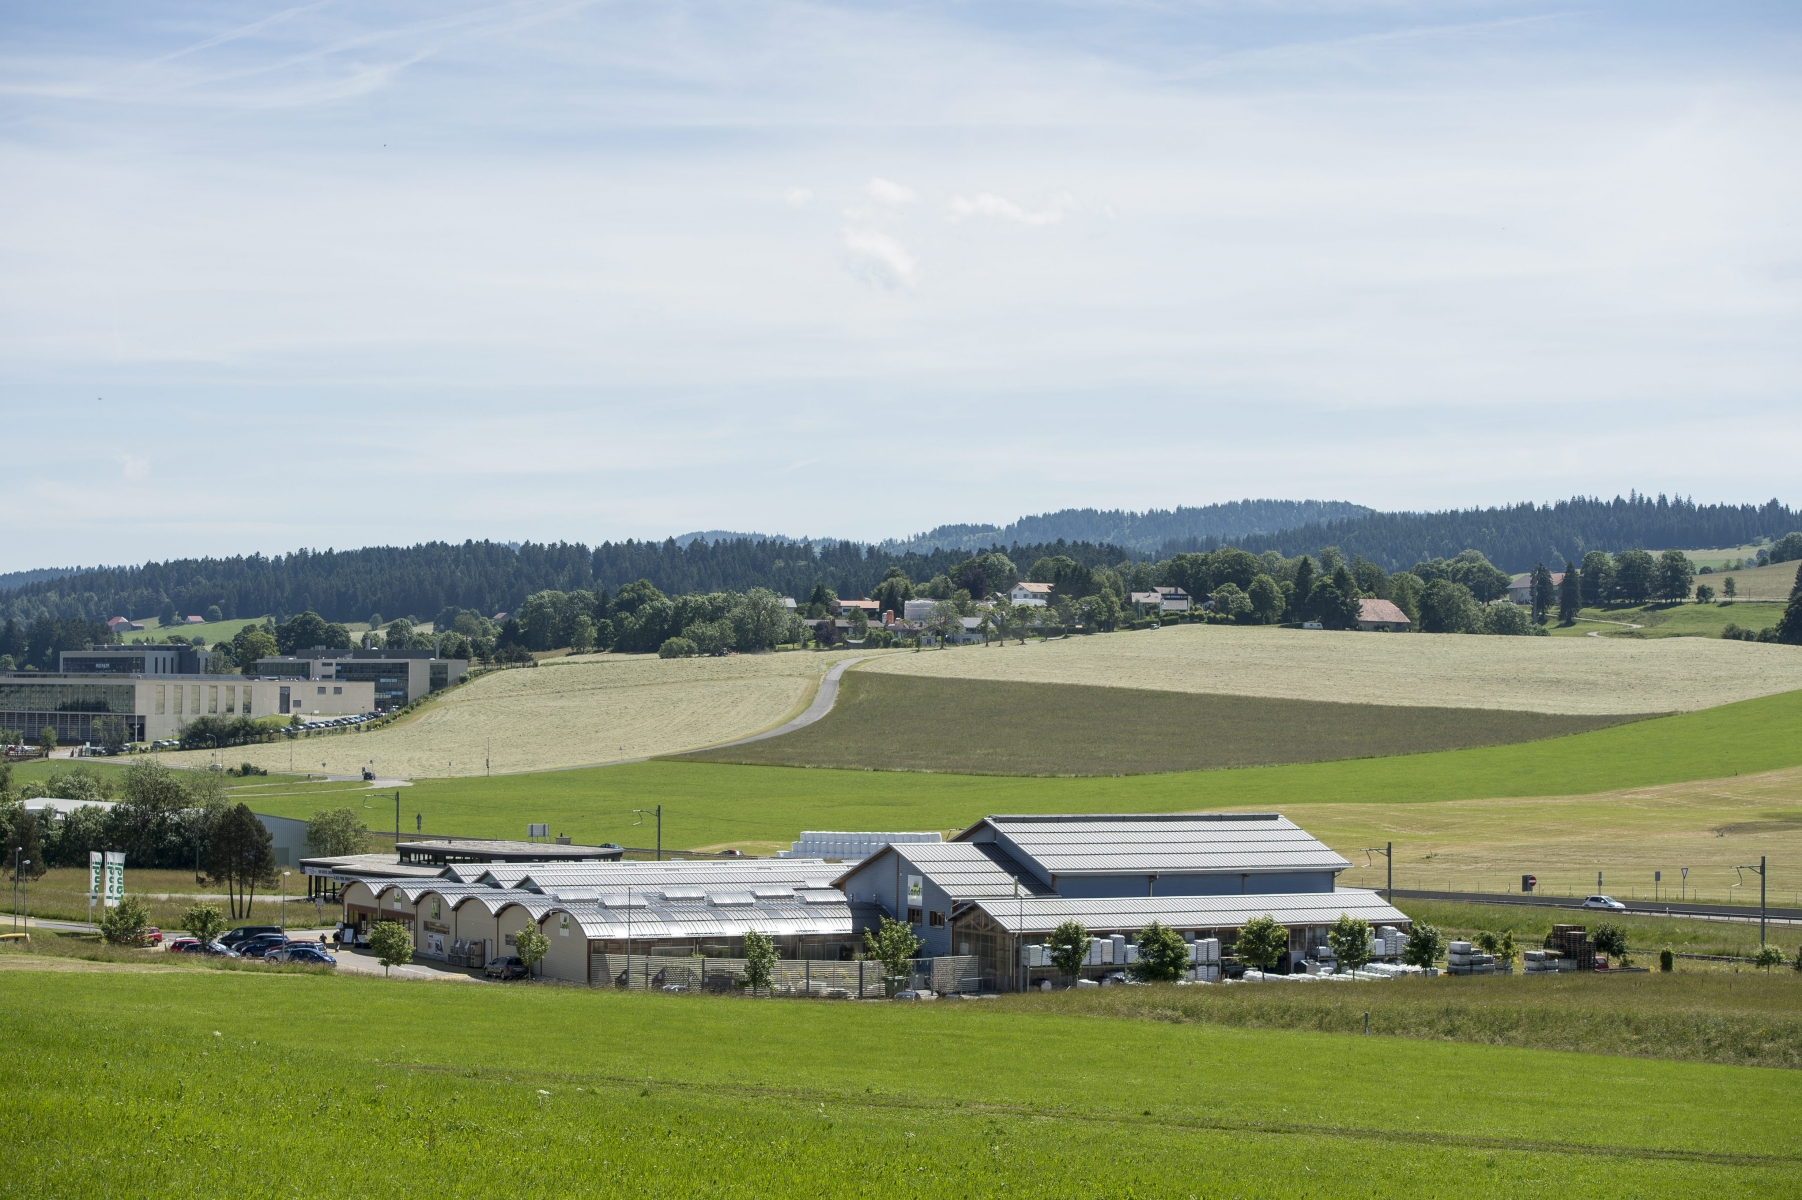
259, 947
508, 967
216, 950
611, 846
1605, 903
150, 935
732, 853
244, 933
182, 945
305, 953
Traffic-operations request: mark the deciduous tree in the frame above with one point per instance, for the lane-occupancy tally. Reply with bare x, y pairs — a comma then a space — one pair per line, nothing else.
392, 944
1069, 946
1262, 942
892, 944
1163, 955
123, 924
1349, 937
1424, 945
337, 831
531, 945
203, 921
760, 960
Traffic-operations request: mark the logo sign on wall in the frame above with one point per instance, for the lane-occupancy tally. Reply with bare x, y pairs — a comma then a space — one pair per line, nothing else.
115, 877
914, 883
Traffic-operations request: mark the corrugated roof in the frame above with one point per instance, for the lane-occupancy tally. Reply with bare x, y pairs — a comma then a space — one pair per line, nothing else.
965, 870
1164, 844
715, 873
1129, 915
779, 919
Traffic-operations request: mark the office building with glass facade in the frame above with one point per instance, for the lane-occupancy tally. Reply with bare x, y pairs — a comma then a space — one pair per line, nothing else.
137, 659
153, 708
397, 676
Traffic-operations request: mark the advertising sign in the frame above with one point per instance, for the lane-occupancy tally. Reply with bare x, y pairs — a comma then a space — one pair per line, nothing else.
115, 877
914, 883
96, 875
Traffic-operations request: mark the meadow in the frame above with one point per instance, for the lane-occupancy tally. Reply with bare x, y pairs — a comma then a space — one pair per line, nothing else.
568, 711
144, 1082
1670, 620
915, 723
1761, 583
1514, 791
1526, 674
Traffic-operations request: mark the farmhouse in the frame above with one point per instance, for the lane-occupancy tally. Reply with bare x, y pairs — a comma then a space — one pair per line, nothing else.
1520, 588
1038, 595
1163, 599
1382, 616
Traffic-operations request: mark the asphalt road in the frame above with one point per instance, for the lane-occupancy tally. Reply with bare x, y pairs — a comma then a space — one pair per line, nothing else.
1647, 907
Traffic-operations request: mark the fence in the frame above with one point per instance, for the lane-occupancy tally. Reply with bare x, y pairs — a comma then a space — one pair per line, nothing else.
788, 976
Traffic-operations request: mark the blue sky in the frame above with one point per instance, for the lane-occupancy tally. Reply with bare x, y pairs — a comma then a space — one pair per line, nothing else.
340, 274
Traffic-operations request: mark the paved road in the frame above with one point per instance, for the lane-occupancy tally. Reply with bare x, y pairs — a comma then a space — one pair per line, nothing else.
822, 704
1647, 907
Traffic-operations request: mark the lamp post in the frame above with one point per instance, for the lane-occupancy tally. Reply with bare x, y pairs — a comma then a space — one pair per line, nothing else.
1761, 911
658, 813
1387, 850
285, 875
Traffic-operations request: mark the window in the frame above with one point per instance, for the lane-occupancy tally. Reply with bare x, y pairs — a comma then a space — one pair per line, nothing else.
913, 916
337, 691
212, 698
322, 691
247, 699
936, 919
231, 698
159, 699
194, 699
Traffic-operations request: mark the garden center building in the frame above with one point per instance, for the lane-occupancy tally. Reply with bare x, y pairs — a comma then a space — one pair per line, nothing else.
973, 901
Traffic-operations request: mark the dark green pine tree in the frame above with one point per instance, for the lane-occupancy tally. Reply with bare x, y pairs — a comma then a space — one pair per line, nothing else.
1789, 626
1304, 587
1543, 593
1570, 594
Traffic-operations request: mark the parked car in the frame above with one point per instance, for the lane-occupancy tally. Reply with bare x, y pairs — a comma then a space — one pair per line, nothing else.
505, 968
182, 945
1605, 903
216, 950
306, 953
259, 947
150, 935
732, 853
244, 933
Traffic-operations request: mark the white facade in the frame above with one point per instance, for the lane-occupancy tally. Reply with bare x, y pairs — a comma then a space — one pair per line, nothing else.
1038, 595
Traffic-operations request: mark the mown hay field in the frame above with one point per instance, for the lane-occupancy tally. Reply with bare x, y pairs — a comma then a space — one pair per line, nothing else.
565, 712
764, 808
979, 726
1529, 674
1760, 583
566, 1091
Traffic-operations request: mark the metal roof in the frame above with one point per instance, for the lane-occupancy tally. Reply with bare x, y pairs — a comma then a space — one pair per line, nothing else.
655, 876
778, 919
965, 870
1166, 844
1130, 914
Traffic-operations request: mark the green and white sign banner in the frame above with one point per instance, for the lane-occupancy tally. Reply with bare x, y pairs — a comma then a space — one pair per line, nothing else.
115, 877
96, 875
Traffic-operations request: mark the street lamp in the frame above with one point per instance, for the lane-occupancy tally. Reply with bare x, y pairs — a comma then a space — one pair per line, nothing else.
1761, 918
658, 813
1387, 850
285, 875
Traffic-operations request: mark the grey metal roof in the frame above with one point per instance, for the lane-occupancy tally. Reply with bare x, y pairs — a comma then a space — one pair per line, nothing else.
1131, 914
1165, 844
655, 876
965, 870
781, 919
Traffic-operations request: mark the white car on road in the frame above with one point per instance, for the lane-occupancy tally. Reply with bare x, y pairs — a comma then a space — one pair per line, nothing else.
1606, 903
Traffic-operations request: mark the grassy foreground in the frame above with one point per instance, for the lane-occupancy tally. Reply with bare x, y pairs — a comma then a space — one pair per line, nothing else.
709, 804
148, 1085
994, 727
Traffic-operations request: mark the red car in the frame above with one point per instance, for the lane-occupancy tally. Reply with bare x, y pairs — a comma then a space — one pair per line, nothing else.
182, 945
152, 935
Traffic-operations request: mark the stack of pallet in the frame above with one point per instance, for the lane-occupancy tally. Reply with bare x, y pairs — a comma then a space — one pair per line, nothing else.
1572, 943
1204, 957
1541, 962
1461, 958
1393, 940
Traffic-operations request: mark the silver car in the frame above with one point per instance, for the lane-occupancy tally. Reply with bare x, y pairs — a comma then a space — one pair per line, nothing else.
1605, 903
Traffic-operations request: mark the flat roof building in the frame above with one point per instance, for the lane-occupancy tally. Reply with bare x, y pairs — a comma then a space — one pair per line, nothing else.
398, 677
135, 659
153, 708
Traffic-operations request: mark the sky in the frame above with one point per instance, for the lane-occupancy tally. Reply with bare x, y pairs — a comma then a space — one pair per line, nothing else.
343, 274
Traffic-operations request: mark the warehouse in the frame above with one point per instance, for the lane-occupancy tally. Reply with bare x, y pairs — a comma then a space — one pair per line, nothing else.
1010, 877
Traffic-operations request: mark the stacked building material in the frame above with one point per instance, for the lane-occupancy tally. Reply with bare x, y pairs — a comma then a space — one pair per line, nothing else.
1461, 958
1540, 962
1572, 944
1393, 940
1204, 957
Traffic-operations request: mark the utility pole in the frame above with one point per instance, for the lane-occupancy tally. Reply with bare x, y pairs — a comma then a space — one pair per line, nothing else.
1761, 909
658, 813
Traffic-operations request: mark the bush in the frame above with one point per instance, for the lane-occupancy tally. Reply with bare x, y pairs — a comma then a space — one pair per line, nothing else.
1163, 955
124, 925
760, 957
1667, 960
1768, 957
392, 944
677, 647
1424, 945
1610, 940
203, 921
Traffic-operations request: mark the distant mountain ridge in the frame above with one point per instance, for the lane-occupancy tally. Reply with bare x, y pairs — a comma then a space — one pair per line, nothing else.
1147, 532
17, 579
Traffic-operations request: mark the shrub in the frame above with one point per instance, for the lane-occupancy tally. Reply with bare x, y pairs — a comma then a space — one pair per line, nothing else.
1163, 955
1667, 960
1611, 940
677, 647
124, 924
392, 944
1768, 957
1262, 942
203, 921
1424, 945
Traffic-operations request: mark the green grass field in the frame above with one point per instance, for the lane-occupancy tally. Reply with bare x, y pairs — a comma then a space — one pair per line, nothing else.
708, 804
1671, 620
915, 723
128, 1083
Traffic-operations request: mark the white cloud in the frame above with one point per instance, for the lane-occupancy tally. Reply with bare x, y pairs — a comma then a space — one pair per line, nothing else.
134, 467
798, 197
887, 191
878, 259
987, 204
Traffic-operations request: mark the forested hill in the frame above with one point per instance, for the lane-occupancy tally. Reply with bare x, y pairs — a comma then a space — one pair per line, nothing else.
420, 581
1516, 537
1167, 530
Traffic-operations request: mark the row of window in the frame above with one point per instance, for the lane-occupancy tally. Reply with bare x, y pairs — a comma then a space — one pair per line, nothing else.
184, 699
935, 918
